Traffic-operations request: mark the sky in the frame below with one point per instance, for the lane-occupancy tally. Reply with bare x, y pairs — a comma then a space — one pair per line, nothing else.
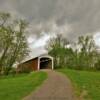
72, 18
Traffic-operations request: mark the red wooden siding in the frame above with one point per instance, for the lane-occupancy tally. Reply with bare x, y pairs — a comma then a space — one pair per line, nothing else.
30, 65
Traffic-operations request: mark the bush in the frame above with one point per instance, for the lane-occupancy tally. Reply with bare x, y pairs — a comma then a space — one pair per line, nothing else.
97, 65
12, 71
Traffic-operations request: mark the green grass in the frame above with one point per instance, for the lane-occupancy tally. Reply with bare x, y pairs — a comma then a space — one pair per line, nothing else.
85, 81
15, 88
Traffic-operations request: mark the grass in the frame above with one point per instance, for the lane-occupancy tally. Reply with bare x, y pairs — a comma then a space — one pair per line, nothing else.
15, 88
86, 83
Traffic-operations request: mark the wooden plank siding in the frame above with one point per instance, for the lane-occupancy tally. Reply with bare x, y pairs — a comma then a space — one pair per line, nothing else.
30, 65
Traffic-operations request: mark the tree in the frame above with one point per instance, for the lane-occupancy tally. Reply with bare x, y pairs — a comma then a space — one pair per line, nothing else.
84, 57
20, 46
87, 52
57, 48
5, 37
4, 17
87, 44
13, 44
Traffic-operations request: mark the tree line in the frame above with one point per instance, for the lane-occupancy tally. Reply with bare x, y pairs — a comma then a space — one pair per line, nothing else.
14, 47
82, 55
13, 43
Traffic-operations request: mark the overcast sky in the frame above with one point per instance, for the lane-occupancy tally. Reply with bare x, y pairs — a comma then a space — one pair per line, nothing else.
71, 18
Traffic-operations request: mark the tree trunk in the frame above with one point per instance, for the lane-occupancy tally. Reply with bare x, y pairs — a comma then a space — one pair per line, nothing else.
3, 57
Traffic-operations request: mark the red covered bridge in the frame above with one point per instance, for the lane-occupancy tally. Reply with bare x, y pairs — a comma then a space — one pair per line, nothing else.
41, 62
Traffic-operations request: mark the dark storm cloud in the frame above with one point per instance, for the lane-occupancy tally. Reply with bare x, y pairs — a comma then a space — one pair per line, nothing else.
79, 16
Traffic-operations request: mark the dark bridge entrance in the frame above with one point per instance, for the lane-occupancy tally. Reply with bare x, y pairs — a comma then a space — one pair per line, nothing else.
45, 63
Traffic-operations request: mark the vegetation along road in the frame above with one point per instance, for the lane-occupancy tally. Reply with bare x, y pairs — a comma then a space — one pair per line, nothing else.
16, 87
86, 83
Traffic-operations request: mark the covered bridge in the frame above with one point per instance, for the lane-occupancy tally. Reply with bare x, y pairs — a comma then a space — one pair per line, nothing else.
44, 61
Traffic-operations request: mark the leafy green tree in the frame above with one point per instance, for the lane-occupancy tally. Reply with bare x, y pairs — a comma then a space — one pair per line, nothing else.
5, 37
57, 48
84, 57
19, 49
13, 45
87, 51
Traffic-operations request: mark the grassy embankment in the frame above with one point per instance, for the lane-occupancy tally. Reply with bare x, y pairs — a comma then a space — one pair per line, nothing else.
15, 88
87, 84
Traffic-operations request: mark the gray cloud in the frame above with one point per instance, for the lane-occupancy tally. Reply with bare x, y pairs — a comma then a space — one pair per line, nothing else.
70, 17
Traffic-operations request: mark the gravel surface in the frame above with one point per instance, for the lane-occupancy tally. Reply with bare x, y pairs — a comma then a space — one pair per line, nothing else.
56, 87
